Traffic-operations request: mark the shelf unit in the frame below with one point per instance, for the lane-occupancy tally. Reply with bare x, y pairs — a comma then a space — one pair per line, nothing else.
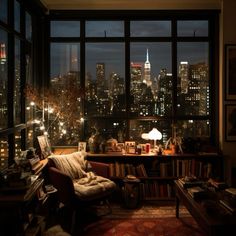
158, 172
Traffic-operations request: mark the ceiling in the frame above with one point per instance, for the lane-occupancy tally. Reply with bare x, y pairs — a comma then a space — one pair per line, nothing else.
130, 4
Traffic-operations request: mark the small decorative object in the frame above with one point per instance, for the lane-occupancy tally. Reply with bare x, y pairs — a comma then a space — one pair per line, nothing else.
174, 143
82, 147
95, 141
112, 145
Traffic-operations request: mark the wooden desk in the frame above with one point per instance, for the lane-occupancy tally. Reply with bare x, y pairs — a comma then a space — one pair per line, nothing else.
215, 220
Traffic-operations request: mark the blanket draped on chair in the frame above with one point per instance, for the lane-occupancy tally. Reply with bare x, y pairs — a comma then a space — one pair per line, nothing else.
87, 184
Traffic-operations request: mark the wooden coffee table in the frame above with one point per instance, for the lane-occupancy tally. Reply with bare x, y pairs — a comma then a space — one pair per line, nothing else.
213, 218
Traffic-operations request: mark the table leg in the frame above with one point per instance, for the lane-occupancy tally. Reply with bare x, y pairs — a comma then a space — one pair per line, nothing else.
177, 207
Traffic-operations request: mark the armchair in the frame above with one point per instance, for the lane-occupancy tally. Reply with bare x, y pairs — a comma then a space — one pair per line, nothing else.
79, 183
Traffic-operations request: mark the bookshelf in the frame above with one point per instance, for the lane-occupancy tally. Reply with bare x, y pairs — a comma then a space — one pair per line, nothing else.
158, 172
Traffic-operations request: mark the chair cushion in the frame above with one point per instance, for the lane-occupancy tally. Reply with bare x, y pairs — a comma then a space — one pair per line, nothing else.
73, 164
93, 187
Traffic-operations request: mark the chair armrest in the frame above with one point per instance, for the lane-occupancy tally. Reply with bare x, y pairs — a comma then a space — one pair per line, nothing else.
101, 169
64, 185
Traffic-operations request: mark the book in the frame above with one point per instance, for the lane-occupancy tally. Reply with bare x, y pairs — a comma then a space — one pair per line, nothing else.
231, 191
190, 183
228, 206
196, 192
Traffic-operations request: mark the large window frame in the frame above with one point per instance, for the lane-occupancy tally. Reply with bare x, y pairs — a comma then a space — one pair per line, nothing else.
19, 24
127, 16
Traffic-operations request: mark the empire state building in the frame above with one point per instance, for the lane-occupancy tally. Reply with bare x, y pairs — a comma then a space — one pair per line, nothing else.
147, 71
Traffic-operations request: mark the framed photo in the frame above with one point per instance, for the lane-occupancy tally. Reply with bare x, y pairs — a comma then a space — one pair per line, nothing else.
230, 71
130, 147
44, 145
120, 147
82, 146
230, 125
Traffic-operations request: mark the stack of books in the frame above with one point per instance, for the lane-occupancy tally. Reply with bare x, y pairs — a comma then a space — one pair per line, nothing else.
188, 182
197, 192
218, 185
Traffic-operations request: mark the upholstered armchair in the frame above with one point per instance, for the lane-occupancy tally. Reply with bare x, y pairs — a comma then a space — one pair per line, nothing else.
79, 183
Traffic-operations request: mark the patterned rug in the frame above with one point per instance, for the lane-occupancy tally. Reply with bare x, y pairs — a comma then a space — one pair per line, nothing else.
148, 220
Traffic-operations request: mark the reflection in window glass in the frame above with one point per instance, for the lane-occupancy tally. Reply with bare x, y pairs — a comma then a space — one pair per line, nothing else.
151, 79
150, 28
30, 137
193, 96
18, 144
192, 28
104, 29
138, 127
3, 10
193, 128
28, 26
17, 15
3, 80
3, 153
105, 81
106, 129
17, 84
65, 84
65, 28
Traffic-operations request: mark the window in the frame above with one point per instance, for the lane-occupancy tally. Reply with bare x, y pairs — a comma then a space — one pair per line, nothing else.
15, 71
136, 74
3, 80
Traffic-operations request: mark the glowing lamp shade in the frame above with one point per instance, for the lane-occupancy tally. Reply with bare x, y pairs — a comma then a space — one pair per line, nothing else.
155, 134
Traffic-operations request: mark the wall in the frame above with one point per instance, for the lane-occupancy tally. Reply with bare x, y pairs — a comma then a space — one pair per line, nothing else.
227, 36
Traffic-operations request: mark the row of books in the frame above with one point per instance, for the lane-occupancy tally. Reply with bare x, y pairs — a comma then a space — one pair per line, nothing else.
123, 169
156, 189
163, 169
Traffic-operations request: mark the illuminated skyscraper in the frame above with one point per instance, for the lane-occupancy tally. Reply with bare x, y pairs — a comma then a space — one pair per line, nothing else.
147, 71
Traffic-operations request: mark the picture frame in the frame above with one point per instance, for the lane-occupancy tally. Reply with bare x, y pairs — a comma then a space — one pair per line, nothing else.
120, 147
130, 147
45, 146
230, 122
230, 71
82, 146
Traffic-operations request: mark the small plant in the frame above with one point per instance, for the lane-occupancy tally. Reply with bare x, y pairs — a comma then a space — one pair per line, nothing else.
174, 142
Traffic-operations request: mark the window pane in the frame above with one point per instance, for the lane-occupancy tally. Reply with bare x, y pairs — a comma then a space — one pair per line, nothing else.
193, 96
3, 153
3, 80
192, 28
28, 26
106, 129
105, 81
138, 127
17, 90
104, 29
150, 28
63, 104
17, 16
151, 79
3, 10
65, 28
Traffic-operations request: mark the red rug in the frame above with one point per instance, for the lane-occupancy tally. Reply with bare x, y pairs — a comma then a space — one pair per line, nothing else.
149, 220
185, 226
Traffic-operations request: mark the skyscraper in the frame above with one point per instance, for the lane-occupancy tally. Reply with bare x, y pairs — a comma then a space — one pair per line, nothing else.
147, 71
